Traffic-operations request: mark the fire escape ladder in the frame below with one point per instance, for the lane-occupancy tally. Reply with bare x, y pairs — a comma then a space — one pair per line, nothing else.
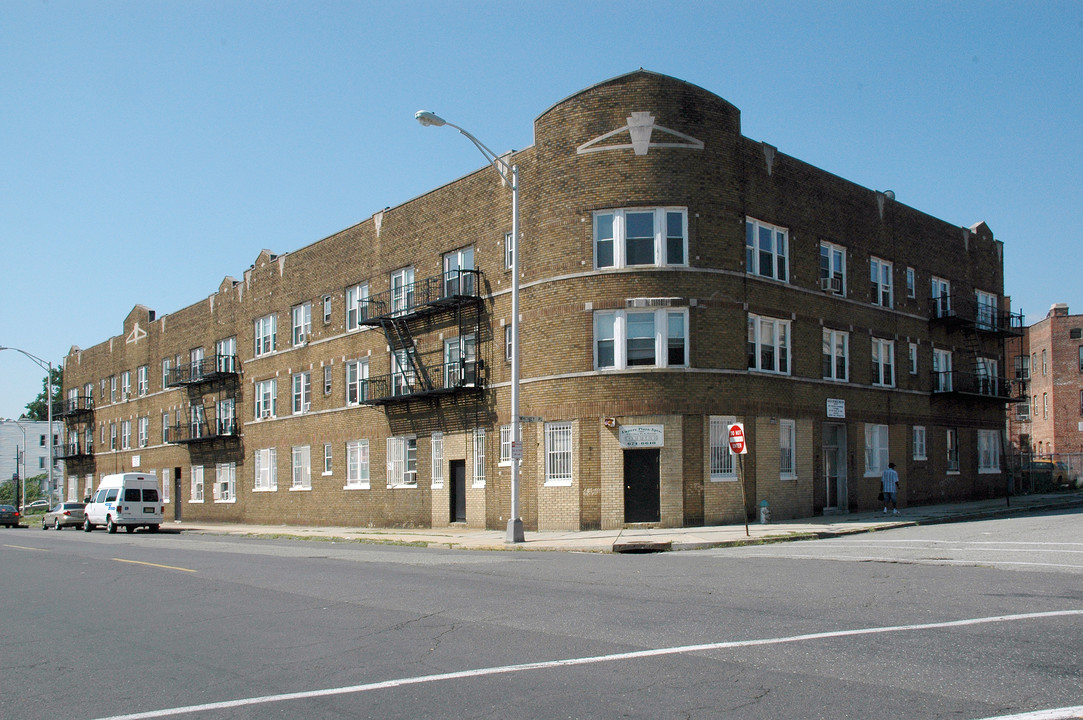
400, 339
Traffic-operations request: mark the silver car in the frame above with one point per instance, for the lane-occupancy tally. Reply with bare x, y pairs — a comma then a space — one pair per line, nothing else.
63, 515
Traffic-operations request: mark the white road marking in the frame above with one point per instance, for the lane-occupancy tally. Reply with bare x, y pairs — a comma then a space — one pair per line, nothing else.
1065, 713
570, 662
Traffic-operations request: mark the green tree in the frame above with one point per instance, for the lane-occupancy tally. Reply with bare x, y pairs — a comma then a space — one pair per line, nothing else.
33, 490
38, 410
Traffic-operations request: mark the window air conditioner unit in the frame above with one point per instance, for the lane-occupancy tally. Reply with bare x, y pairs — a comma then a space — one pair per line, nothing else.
831, 284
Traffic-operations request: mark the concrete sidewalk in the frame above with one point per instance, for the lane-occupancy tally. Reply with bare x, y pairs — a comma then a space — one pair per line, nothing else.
651, 539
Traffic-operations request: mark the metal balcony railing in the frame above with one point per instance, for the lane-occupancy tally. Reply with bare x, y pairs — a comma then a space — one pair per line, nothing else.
74, 407
73, 449
422, 297
444, 379
956, 382
209, 369
202, 431
961, 310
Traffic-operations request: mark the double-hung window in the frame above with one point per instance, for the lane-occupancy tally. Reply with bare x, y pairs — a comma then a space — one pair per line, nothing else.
722, 463
880, 277
225, 482
647, 338
987, 375
357, 374
357, 464
126, 385
876, 449
833, 268
767, 252
638, 237
266, 470
913, 357
509, 250
836, 355
302, 323
357, 298
952, 450
460, 361
265, 335
911, 283
165, 373
987, 310
142, 380
942, 370
505, 443
988, 451
225, 355
403, 375
883, 362
558, 453
768, 344
227, 417
302, 392
196, 474
195, 363
787, 446
479, 458
126, 435
143, 430
326, 309
402, 461
940, 298
919, 442
266, 398
402, 290
458, 273
302, 468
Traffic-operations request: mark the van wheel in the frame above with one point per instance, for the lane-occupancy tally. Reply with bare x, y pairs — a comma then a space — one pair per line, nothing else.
152, 528
110, 525
129, 528
87, 527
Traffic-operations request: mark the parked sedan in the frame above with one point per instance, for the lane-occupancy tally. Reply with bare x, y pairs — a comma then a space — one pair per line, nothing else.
35, 506
63, 515
9, 516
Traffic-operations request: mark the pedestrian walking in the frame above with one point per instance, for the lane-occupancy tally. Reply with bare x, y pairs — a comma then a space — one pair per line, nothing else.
889, 487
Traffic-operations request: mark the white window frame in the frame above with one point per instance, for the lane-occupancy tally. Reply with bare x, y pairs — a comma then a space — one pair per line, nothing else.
460, 361
787, 449
328, 460
265, 470
780, 346
832, 266
167, 481
912, 352
357, 373
225, 483
142, 380
479, 458
126, 385
165, 426
988, 452
302, 392
507, 343
402, 290
940, 295
559, 456
265, 335
165, 373
357, 465
302, 323
876, 449
509, 250
882, 282
663, 330
665, 243
836, 347
357, 297
722, 466
125, 434
402, 461
457, 280
437, 446
225, 355
882, 358
326, 300
985, 305
327, 371
911, 283
196, 475
919, 451
777, 254
952, 451
226, 412
301, 477
505, 444
942, 373
143, 431
266, 399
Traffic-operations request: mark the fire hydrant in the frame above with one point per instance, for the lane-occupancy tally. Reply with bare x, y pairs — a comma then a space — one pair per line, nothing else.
765, 513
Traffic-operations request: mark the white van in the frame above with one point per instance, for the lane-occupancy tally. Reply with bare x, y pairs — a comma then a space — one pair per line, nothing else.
130, 500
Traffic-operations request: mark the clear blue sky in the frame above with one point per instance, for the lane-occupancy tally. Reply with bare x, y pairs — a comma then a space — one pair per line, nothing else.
149, 149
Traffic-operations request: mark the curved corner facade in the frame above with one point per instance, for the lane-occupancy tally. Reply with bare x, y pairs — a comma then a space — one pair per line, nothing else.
676, 278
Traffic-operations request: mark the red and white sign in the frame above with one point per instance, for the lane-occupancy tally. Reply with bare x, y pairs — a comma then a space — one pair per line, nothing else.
737, 439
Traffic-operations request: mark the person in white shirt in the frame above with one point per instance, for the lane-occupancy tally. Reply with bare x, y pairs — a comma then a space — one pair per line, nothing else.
889, 482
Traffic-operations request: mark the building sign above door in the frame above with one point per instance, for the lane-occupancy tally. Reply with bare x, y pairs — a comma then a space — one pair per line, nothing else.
642, 436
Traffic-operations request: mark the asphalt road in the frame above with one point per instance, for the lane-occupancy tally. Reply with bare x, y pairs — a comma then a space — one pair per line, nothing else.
973, 620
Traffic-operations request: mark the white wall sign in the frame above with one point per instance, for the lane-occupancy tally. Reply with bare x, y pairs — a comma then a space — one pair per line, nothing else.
642, 436
136, 459
836, 408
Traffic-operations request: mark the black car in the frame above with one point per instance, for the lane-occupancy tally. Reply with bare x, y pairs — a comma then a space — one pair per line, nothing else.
9, 516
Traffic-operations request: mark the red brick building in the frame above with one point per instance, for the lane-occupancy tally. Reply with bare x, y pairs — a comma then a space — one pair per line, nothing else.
676, 277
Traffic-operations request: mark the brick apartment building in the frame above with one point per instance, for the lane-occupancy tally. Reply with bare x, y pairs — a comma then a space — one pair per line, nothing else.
676, 277
1048, 362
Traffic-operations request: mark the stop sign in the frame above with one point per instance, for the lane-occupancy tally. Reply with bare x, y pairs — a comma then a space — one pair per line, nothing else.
737, 439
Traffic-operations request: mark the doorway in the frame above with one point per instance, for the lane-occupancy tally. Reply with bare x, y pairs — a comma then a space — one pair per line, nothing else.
457, 477
642, 496
834, 453
177, 494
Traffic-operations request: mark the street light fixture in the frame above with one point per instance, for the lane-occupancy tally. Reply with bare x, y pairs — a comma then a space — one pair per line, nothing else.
510, 175
48, 367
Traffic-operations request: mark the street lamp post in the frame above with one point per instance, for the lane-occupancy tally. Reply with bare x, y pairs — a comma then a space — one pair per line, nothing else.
510, 175
48, 367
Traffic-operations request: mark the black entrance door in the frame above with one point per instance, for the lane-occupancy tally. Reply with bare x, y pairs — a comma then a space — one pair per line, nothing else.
177, 494
458, 490
642, 499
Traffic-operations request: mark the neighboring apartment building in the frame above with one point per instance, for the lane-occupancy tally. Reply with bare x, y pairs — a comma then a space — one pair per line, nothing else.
676, 278
28, 439
1048, 362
